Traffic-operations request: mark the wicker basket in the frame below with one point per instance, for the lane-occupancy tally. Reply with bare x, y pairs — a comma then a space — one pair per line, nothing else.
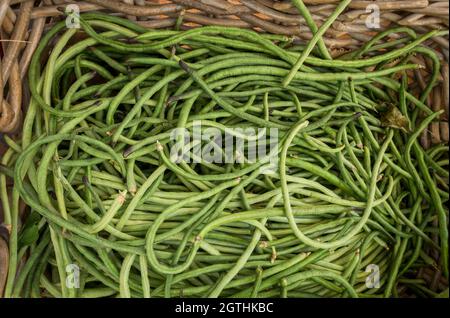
22, 23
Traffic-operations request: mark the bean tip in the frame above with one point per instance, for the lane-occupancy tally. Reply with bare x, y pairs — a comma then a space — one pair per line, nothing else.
173, 50
259, 270
85, 180
185, 67
159, 147
172, 99
273, 257
264, 244
122, 197
132, 190
127, 152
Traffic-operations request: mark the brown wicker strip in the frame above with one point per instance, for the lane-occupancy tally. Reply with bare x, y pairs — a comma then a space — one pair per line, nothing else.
4, 260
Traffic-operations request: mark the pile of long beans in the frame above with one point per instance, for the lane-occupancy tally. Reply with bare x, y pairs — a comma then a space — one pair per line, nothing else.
353, 209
